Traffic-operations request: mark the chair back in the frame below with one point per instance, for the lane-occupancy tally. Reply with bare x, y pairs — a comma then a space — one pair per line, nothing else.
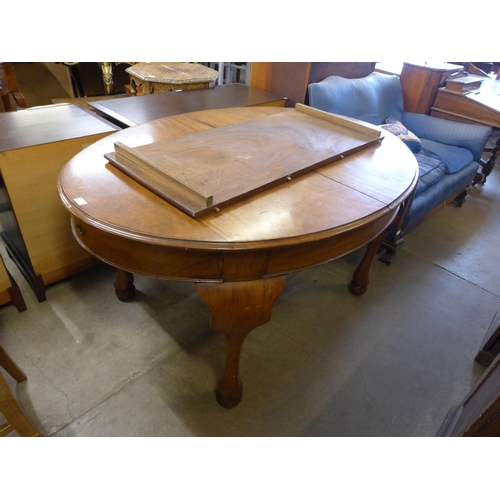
372, 98
9, 407
9, 86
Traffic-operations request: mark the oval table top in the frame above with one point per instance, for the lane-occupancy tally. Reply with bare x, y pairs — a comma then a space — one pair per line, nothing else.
361, 187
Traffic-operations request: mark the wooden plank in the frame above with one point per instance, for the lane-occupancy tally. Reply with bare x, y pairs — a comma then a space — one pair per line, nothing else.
364, 127
153, 167
200, 173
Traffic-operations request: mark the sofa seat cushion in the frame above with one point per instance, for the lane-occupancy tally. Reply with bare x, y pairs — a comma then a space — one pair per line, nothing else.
430, 171
454, 157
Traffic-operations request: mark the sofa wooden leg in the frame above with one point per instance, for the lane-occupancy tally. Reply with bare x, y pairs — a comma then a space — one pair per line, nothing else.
460, 199
488, 166
390, 247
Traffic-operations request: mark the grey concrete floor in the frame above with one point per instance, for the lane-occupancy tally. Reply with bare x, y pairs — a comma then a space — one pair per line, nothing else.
389, 363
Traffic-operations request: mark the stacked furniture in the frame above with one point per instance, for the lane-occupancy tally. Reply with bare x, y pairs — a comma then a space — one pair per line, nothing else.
448, 153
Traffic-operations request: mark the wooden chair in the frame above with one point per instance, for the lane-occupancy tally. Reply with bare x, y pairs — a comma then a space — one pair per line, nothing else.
8, 87
16, 419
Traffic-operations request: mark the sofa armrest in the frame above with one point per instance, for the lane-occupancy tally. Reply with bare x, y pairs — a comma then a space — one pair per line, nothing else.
464, 135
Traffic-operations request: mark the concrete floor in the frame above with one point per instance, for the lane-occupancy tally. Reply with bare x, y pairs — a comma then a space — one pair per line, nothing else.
389, 363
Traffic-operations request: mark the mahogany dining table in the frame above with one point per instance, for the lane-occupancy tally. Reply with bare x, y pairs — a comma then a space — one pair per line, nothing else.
238, 258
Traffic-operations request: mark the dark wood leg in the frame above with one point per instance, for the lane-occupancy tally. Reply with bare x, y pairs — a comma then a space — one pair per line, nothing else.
124, 285
488, 166
360, 279
461, 198
15, 294
237, 308
394, 236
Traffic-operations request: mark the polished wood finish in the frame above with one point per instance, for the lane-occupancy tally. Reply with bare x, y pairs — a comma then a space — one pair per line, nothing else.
34, 146
420, 84
469, 108
292, 78
9, 87
187, 171
124, 285
245, 251
127, 112
236, 309
9, 407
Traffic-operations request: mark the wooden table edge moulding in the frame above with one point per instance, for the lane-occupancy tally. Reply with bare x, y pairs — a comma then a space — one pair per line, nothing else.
239, 256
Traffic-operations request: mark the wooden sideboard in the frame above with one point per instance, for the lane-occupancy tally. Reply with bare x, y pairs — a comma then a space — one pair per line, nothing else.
480, 106
34, 146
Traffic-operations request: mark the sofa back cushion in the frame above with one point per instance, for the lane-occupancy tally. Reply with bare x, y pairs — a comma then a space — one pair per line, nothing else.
372, 98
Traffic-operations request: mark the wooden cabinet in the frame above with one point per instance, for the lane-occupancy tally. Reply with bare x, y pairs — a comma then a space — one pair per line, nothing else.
290, 79
420, 83
34, 146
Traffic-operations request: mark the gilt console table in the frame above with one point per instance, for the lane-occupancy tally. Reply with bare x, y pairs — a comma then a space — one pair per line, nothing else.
239, 257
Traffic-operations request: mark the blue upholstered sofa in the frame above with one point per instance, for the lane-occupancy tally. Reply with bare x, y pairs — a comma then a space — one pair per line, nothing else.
447, 152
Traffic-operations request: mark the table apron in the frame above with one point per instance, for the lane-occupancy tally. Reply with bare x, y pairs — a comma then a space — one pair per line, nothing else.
223, 265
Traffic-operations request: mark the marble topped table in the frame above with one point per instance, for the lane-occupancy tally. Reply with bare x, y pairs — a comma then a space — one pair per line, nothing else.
152, 77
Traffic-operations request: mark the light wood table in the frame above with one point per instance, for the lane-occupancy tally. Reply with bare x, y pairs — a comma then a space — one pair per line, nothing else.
238, 258
34, 146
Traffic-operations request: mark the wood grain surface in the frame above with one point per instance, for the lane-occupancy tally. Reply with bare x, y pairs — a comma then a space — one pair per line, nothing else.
341, 196
203, 172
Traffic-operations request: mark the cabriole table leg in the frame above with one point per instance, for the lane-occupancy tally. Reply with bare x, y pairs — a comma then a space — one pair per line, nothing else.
237, 308
360, 280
